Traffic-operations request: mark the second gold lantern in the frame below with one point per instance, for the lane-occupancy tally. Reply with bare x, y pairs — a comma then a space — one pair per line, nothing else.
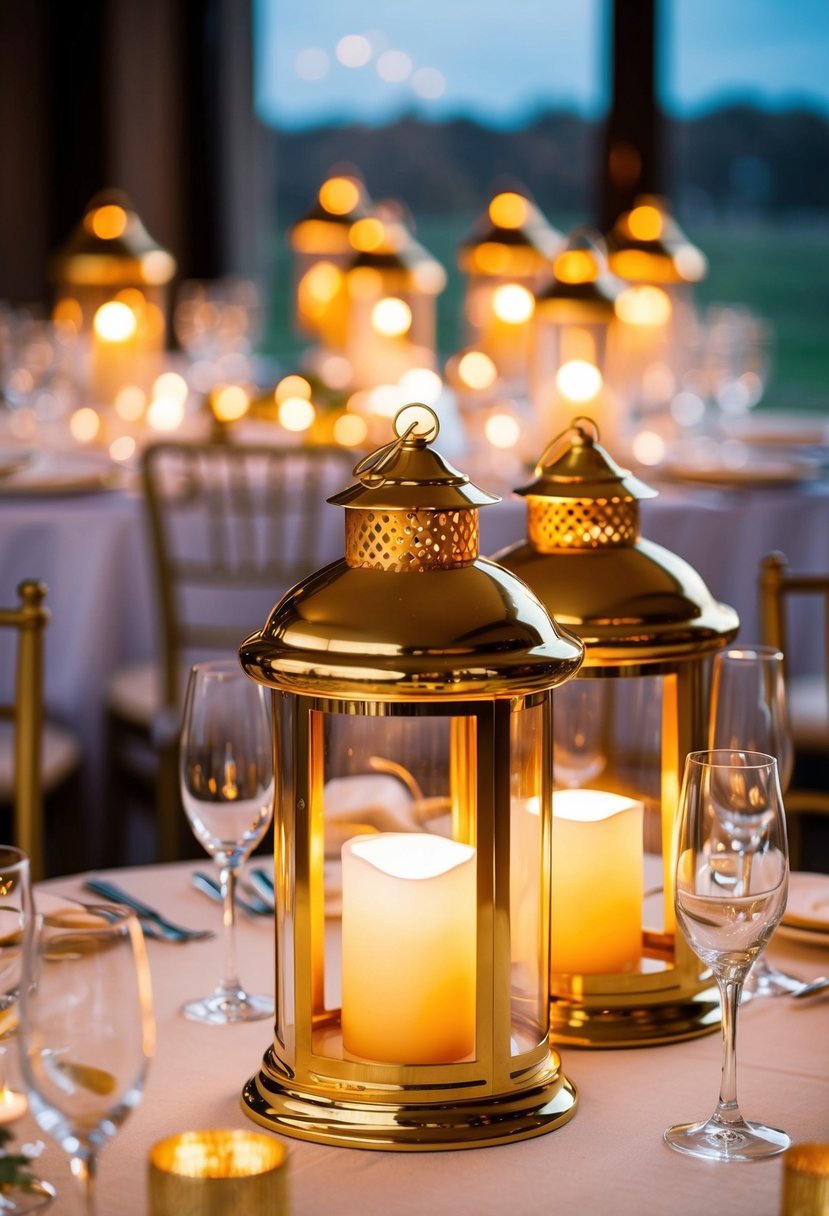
620, 972
412, 827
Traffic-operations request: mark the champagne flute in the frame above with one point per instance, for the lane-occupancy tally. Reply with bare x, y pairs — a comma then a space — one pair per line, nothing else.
227, 786
16, 913
86, 1028
748, 710
732, 871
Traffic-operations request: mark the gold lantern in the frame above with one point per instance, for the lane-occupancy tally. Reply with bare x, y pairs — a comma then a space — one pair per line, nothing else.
659, 266
112, 283
391, 287
321, 248
411, 715
572, 328
506, 258
621, 974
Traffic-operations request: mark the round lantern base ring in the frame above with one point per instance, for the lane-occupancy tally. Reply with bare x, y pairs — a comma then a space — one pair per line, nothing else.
410, 1126
646, 1024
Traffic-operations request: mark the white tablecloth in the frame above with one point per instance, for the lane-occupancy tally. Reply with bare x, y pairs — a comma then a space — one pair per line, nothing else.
92, 551
610, 1160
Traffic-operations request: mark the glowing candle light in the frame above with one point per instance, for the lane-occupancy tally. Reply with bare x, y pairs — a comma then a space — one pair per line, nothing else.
408, 896
597, 883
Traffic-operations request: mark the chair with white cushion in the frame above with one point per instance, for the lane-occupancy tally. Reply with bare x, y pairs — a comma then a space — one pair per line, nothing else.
782, 593
232, 527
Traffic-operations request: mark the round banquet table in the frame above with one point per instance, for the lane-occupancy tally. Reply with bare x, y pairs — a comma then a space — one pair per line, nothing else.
92, 551
609, 1159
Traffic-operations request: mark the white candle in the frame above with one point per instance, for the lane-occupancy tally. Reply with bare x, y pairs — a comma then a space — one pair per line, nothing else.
13, 1105
597, 883
408, 948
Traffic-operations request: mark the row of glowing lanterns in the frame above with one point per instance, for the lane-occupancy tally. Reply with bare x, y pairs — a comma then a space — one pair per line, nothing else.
548, 319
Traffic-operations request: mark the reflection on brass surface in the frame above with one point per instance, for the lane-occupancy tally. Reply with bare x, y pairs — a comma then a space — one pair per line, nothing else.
806, 1180
218, 1173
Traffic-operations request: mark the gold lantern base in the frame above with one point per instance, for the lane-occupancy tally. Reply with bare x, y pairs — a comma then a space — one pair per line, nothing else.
646, 1024
331, 1118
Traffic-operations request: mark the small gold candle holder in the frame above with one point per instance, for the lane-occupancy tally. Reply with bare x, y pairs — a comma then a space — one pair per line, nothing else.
218, 1173
806, 1180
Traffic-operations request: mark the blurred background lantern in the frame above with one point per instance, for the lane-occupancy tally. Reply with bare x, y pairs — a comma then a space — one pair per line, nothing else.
506, 258
412, 719
112, 283
621, 974
574, 319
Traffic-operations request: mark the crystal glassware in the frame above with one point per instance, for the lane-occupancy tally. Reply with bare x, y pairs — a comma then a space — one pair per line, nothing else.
16, 911
748, 710
227, 787
731, 882
86, 1028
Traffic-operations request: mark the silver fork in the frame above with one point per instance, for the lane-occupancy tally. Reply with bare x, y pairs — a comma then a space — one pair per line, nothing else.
157, 924
251, 903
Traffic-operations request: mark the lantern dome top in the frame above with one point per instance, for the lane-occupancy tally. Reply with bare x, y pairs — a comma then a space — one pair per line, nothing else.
111, 244
576, 465
340, 200
646, 244
408, 472
513, 220
632, 602
580, 274
411, 613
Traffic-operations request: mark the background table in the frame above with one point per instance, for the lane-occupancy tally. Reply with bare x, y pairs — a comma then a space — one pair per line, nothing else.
92, 551
610, 1160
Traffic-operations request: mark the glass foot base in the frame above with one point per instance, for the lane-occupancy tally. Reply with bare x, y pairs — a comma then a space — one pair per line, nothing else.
14, 1201
718, 1141
764, 980
221, 1008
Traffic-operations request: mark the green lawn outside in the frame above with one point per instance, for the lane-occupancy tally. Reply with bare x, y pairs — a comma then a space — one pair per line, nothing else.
780, 272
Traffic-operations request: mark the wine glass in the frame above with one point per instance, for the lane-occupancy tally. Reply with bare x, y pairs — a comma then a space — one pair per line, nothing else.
732, 870
748, 710
16, 912
227, 786
86, 1028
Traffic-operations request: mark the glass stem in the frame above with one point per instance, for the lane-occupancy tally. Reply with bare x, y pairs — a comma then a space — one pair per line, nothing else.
227, 880
727, 1109
83, 1169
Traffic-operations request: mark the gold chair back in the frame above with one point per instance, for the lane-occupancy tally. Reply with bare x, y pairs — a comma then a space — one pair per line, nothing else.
29, 619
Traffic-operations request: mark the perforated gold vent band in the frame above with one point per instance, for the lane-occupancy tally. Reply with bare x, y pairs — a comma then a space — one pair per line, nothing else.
582, 523
415, 540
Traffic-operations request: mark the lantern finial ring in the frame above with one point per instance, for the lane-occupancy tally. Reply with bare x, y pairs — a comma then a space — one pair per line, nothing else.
370, 468
581, 426
407, 420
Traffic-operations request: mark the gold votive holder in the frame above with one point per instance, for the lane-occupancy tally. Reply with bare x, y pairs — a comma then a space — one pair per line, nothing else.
806, 1180
216, 1172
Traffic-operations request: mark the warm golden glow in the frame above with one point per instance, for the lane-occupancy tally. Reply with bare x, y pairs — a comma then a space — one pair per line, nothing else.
578, 380
350, 430
108, 222
648, 448
576, 266
320, 284
421, 384
645, 222
335, 371
391, 317
339, 195
68, 312
513, 303
296, 413
364, 282
122, 448
157, 266
217, 1154
502, 430
230, 403
170, 384
368, 234
292, 386
690, 263
84, 424
385, 399
508, 210
165, 414
130, 402
477, 370
320, 236
115, 322
644, 305
491, 258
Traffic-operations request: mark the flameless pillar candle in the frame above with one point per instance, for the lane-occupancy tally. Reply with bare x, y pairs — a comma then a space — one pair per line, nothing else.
408, 948
596, 883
